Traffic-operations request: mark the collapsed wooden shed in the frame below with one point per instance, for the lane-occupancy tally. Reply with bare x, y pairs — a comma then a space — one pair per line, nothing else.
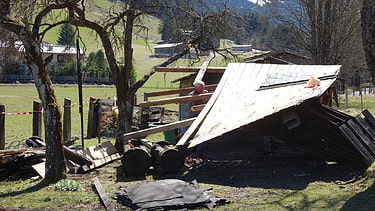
269, 110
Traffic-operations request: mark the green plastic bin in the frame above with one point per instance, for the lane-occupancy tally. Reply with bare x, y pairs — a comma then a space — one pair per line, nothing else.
169, 135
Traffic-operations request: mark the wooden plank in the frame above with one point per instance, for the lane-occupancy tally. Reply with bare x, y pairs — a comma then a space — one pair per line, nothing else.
2, 127
367, 127
161, 128
18, 151
198, 107
75, 157
100, 162
175, 100
177, 91
369, 117
67, 121
358, 130
99, 155
103, 196
357, 144
202, 71
190, 69
40, 168
37, 119
91, 123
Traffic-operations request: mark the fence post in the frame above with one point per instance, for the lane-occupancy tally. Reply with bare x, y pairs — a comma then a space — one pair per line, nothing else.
145, 113
67, 119
37, 119
2, 127
91, 123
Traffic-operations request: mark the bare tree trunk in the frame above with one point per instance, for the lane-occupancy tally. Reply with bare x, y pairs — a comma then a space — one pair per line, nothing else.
368, 34
55, 165
55, 162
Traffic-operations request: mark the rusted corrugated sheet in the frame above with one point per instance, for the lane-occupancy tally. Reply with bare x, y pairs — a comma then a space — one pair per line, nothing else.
248, 92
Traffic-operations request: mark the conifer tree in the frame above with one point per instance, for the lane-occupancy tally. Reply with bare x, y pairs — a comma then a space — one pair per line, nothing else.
66, 36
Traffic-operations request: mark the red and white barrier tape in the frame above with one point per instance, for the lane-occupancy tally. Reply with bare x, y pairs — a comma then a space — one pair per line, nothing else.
20, 113
31, 112
74, 104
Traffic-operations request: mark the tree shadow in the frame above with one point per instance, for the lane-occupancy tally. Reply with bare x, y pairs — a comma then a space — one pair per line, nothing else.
122, 177
34, 188
361, 201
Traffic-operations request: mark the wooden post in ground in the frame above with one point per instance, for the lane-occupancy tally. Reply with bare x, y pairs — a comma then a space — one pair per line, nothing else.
91, 123
37, 119
2, 127
67, 119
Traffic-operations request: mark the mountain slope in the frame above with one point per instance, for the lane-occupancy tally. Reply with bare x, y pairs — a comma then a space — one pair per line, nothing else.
97, 11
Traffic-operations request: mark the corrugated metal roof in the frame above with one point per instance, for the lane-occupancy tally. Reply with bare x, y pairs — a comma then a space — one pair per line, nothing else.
248, 92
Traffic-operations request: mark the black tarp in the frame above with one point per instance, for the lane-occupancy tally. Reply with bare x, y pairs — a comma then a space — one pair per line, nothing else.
168, 194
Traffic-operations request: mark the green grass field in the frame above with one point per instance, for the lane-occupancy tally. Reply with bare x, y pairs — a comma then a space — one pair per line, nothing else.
21, 97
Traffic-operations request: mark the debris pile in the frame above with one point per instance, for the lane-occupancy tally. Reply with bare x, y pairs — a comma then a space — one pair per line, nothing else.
30, 154
20, 157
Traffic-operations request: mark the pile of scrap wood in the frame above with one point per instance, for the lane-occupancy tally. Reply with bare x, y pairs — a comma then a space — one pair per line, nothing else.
27, 154
33, 157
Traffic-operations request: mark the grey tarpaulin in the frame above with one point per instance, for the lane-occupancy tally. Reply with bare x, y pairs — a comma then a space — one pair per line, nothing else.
168, 194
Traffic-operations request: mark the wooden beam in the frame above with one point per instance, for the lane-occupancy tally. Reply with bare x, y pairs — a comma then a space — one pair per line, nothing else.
2, 127
158, 129
75, 157
197, 107
349, 135
37, 119
202, 71
190, 69
103, 196
211, 87
175, 100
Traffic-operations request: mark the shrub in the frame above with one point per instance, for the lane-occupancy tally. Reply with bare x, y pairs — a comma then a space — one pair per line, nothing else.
68, 185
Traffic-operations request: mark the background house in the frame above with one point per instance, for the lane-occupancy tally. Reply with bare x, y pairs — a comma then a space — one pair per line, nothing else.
243, 48
280, 57
60, 54
168, 49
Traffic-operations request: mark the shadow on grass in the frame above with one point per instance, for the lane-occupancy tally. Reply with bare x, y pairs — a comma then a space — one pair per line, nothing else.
121, 177
291, 174
270, 173
31, 189
361, 201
